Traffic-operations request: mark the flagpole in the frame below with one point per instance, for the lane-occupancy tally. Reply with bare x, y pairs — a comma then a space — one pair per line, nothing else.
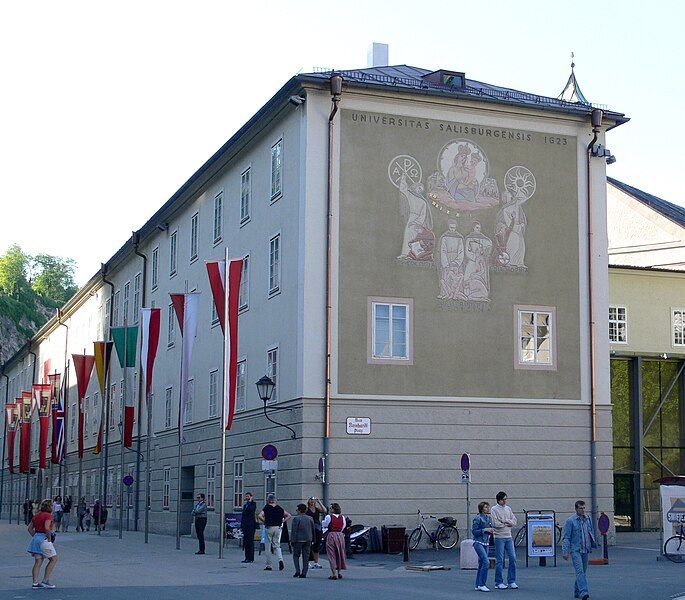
104, 454
180, 445
222, 527
122, 420
80, 458
147, 464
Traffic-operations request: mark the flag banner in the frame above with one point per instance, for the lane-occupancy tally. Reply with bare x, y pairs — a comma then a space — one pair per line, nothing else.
149, 333
11, 422
55, 380
59, 449
187, 309
103, 361
126, 344
42, 401
25, 441
47, 367
216, 270
235, 271
83, 365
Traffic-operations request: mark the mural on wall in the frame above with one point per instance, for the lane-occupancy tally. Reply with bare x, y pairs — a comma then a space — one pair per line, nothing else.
462, 187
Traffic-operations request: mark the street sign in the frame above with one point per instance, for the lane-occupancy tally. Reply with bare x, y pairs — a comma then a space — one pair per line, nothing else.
269, 465
128, 480
269, 452
358, 426
603, 523
322, 465
465, 462
466, 476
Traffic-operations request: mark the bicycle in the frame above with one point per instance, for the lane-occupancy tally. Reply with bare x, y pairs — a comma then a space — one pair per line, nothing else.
446, 535
521, 538
674, 548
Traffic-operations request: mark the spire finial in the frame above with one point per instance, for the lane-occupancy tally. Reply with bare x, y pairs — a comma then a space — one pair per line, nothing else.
573, 64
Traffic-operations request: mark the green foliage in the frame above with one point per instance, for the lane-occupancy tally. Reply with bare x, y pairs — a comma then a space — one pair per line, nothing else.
55, 279
14, 265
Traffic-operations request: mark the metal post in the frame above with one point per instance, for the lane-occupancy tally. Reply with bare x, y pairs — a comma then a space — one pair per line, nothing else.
468, 507
147, 468
638, 441
222, 425
178, 499
222, 526
122, 411
9, 521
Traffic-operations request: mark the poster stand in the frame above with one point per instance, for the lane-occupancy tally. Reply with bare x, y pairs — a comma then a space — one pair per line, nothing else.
541, 539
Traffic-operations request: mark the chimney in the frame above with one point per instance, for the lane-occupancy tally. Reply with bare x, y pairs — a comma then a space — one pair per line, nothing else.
377, 55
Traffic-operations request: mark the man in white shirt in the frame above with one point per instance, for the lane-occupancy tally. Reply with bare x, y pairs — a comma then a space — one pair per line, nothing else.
503, 520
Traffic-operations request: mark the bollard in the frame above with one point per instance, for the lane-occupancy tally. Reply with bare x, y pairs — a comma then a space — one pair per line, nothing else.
405, 550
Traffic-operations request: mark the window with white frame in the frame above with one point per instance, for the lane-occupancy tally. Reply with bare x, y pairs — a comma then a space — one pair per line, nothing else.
72, 422
390, 330
238, 474
93, 485
120, 420
110, 486
86, 414
115, 312
127, 297
275, 264
211, 485
276, 169
618, 325
194, 230
536, 344
168, 408
272, 370
213, 393
106, 321
244, 291
218, 217
117, 485
112, 396
245, 195
188, 406
171, 332
136, 297
166, 488
173, 253
155, 268
215, 315
96, 413
241, 386
678, 326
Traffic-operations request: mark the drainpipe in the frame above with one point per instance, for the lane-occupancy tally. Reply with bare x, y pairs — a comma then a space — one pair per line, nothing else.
143, 289
596, 119
4, 442
65, 401
39, 487
336, 92
104, 459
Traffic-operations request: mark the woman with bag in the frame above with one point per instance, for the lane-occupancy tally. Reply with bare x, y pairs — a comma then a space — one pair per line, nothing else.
41, 546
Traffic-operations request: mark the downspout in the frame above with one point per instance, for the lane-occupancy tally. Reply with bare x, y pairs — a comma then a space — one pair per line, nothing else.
4, 442
596, 118
39, 487
65, 401
336, 92
143, 289
105, 423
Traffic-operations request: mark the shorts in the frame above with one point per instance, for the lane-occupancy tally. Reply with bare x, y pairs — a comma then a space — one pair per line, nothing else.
40, 545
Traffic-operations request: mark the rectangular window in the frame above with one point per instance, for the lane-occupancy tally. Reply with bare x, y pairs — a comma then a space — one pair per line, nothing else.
155, 268
618, 325
108, 308
168, 408
86, 414
72, 423
215, 315
96, 413
213, 393
188, 406
678, 326
536, 346
276, 169
129, 488
275, 264
389, 335
93, 485
272, 370
218, 216
171, 333
136, 297
110, 486
112, 396
211, 484
240, 388
115, 312
173, 253
245, 195
116, 484
194, 224
120, 403
166, 488
127, 297
238, 473
244, 292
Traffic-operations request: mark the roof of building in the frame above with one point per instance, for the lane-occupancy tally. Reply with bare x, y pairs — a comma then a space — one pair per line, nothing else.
669, 210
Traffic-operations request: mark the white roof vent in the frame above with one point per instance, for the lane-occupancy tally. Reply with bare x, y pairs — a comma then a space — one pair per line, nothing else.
377, 55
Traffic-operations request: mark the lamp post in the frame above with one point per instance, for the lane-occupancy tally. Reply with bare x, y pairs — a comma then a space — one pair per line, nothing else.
265, 389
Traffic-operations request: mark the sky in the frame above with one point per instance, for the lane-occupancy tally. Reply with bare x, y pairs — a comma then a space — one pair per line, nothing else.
107, 108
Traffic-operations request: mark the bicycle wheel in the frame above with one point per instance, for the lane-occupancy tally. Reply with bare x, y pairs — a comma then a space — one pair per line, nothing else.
447, 537
674, 549
521, 538
415, 538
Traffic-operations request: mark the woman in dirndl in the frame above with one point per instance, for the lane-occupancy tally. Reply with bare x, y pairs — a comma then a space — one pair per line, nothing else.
335, 540
41, 546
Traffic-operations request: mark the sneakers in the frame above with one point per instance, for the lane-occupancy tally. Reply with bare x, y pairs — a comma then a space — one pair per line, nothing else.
37, 586
483, 588
316, 566
268, 569
501, 586
281, 565
296, 575
513, 586
47, 584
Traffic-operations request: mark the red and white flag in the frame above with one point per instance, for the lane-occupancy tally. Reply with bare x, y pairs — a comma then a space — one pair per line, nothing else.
226, 301
83, 365
187, 309
149, 333
11, 424
42, 403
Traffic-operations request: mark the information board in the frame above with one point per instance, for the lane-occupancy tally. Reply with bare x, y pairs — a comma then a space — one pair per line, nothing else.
540, 534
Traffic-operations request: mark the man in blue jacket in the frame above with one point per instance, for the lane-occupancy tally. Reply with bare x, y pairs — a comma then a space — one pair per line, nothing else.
578, 541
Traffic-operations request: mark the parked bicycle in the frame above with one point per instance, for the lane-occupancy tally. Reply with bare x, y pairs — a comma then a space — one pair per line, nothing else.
521, 538
674, 548
446, 534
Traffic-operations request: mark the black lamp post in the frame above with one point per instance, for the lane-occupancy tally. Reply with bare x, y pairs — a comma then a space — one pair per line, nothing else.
265, 389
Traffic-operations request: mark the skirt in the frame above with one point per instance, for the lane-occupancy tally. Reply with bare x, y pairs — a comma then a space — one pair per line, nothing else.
40, 545
335, 550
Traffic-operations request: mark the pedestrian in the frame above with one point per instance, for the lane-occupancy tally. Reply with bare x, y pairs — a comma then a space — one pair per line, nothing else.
578, 540
97, 513
481, 530
200, 513
503, 520
57, 512
66, 513
317, 511
28, 511
335, 541
103, 516
87, 519
248, 525
41, 546
302, 534
80, 513
273, 516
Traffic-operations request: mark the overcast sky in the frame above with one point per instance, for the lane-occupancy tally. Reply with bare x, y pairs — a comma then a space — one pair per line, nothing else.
108, 107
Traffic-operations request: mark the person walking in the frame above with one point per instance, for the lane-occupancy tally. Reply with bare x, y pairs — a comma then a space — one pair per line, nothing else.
481, 530
27, 507
57, 512
200, 513
302, 534
248, 525
80, 513
578, 540
103, 516
503, 519
273, 516
66, 513
87, 519
317, 511
97, 513
335, 522
41, 546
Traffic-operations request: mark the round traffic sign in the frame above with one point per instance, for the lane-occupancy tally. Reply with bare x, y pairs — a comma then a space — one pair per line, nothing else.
465, 462
269, 452
128, 480
603, 523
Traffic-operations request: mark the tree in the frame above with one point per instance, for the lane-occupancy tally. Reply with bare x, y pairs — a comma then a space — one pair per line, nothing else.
55, 279
13, 267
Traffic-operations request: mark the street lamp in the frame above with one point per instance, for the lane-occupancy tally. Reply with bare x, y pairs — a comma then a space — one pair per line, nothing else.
265, 389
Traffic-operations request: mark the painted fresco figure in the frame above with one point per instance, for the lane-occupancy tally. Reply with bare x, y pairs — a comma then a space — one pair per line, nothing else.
512, 217
462, 183
478, 248
419, 240
450, 266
